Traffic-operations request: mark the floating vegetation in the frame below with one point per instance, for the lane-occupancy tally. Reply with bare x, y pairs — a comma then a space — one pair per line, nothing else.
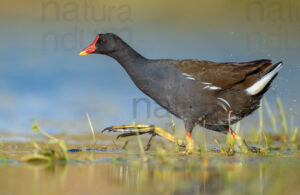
54, 150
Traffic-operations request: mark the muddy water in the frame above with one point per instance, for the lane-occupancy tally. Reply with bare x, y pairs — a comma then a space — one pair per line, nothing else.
121, 172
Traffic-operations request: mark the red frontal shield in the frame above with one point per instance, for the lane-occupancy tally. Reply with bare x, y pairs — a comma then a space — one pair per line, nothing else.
91, 48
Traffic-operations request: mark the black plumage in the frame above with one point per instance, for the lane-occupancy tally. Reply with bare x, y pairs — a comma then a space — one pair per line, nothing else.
195, 91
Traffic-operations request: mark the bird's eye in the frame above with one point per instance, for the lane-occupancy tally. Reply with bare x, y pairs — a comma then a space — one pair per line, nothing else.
102, 41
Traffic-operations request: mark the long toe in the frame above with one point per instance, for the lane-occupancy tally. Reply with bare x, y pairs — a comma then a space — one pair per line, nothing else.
132, 130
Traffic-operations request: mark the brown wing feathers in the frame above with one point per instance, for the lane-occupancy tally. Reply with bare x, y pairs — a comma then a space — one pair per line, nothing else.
226, 75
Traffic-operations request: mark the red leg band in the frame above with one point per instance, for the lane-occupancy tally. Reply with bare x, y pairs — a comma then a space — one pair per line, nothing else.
234, 134
189, 134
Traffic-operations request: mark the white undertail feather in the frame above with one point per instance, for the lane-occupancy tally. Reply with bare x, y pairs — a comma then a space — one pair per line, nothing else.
188, 76
260, 84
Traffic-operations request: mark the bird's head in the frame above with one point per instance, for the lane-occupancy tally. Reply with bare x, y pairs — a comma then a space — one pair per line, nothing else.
103, 44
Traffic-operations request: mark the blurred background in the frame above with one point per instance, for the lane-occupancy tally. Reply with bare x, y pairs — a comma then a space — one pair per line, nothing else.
42, 76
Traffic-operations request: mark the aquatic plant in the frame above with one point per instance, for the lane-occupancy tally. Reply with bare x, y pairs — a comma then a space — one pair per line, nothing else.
54, 150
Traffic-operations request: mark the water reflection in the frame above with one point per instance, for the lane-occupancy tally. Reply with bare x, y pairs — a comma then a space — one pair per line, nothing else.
103, 178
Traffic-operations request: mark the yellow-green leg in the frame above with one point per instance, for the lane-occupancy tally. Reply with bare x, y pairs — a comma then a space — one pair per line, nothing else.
242, 144
132, 130
240, 141
190, 143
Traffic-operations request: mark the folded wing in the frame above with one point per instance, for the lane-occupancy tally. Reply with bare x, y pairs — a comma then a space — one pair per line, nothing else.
252, 76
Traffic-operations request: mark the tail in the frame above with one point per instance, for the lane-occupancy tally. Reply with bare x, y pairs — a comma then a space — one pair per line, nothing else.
264, 82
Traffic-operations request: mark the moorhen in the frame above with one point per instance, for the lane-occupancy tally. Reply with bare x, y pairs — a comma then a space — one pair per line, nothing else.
211, 94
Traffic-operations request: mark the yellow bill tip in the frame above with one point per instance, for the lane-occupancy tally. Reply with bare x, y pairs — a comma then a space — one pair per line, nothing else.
83, 53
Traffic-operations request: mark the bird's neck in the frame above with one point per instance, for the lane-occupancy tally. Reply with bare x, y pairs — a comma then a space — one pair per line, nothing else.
131, 60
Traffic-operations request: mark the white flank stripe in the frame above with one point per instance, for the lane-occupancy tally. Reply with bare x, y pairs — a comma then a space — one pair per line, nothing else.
188, 76
214, 88
223, 106
223, 100
191, 78
259, 85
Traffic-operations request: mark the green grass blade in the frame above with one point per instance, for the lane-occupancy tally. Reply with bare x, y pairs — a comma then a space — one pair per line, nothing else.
282, 116
64, 148
35, 126
238, 127
173, 126
271, 115
294, 136
261, 123
92, 129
